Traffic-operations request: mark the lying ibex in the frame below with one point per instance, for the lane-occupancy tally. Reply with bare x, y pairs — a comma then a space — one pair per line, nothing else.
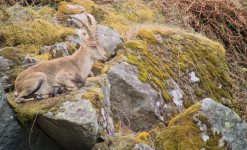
66, 73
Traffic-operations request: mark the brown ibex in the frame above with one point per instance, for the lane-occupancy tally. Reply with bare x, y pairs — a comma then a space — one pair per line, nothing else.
68, 72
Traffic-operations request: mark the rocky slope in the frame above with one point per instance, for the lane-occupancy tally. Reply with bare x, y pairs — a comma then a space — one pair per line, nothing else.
164, 88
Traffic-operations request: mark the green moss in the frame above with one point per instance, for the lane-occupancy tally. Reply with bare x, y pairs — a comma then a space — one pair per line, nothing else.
95, 96
144, 137
47, 11
25, 112
37, 33
126, 142
162, 55
120, 17
97, 68
184, 133
13, 54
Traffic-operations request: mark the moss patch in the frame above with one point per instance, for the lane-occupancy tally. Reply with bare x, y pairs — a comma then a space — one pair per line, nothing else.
120, 17
13, 54
47, 11
184, 133
144, 137
120, 143
162, 55
25, 112
31, 29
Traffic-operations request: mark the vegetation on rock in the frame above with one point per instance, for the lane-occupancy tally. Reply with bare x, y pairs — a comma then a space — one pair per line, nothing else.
184, 133
25, 112
29, 30
162, 55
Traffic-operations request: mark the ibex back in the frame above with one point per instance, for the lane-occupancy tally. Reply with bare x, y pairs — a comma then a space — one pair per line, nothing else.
63, 73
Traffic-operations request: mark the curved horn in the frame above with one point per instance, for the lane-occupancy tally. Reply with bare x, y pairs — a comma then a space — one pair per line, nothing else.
94, 25
89, 31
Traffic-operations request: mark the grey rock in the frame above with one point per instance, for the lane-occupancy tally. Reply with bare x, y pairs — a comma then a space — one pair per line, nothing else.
76, 23
227, 122
45, 49
76, 40
105, 119
193, 77
132, 100
77, 125
109, 38
60, 50
74, 128
4, 67
142, 146
8, 66
15, 137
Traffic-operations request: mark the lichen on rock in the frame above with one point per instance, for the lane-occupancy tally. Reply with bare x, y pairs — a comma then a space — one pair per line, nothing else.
162, 55
25, 112
204, 125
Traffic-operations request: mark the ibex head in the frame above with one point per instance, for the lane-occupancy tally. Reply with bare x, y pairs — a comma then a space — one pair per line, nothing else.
91, 42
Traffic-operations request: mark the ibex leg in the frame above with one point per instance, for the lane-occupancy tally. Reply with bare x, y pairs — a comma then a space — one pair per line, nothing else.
31, 85
71, 81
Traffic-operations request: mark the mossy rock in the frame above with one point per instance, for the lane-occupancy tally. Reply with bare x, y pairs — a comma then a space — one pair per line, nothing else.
120, 17
13, 54
202, 126
30, 30
184, 133
161, 55
47, 11
128, 13
97, 68
25, 112
69, 8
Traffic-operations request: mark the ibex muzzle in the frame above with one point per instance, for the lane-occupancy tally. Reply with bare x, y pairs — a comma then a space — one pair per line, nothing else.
68, 72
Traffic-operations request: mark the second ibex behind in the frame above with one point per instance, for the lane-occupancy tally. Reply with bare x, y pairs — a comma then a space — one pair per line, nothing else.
67, 72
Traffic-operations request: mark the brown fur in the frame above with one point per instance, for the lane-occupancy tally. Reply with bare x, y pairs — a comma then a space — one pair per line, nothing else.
67, 72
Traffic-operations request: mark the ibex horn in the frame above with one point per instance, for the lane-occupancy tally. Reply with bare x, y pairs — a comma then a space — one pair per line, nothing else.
89, 31
94, 25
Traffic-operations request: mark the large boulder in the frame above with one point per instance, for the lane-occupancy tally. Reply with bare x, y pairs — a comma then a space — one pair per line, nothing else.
76, 120
133, 100
13, 136
163, 72
109, 38
205, 125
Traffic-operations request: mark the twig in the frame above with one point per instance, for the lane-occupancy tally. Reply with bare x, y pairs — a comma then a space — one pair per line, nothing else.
31, 130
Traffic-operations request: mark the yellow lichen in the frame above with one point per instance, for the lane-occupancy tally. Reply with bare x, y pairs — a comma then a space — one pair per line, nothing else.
47, 11
44, 57
25, 112
94, 95
184, 133
13, 54
114, 16
161, 55
144, 137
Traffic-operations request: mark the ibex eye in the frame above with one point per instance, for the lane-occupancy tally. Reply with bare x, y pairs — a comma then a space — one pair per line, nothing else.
94, 46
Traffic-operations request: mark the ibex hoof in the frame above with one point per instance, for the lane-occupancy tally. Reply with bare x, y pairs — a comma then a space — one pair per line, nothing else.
40, 97
72, 88
18, 100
